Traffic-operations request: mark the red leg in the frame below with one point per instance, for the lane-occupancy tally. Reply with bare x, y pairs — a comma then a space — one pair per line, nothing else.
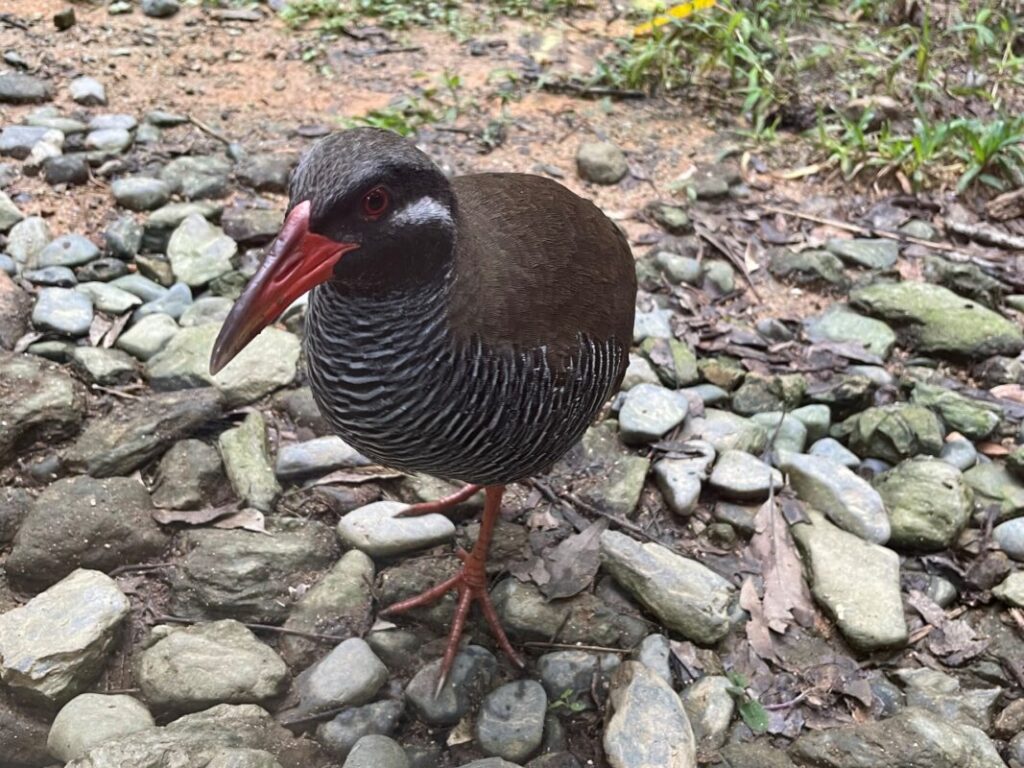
440, 505
471, 583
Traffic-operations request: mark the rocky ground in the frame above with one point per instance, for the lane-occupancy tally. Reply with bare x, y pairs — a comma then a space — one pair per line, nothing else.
793, 541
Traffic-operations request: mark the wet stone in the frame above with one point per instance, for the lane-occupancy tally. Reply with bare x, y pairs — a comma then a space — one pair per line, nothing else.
186, 669
510, 723
56, 645
342, 733
92, 718
62, 311
67, 251
377, 530
140, 193
471, 676
189, 474
148, 336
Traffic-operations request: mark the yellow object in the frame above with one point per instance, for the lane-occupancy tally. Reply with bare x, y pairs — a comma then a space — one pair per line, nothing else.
680, 11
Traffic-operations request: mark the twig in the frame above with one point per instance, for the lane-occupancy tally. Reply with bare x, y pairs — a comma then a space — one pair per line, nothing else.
786, 704
624, 524
208, 130
115, 392
985, 234
123, 569
593, 91
705, 234
574, 647
263, 627
859, 230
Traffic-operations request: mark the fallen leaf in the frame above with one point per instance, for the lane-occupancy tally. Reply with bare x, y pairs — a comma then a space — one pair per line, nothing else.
1012, 392
953, 639
785, 592
246, 519
993, 449
542, 520
192, 516
758, 634
573, 563
355, 475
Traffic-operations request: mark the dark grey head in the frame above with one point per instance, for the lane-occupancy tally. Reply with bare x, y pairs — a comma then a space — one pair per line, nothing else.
373, 188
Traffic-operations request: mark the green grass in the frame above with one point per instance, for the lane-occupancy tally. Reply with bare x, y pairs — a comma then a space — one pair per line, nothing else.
402, 14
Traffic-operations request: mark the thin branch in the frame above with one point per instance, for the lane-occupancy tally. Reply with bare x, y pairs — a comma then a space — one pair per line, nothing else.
208, 130
859, 230
261, 627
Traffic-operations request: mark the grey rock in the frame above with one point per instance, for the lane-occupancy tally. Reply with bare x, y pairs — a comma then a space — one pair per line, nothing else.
738, 475
569, 677
726, 431
103, 366
810, 267
164, 119
206, 310
342, 733
928, 503
38, 402
510, 724
247, 462
23, 733
1010, 538
892, 432
710, 708
490, 762
27, 238
601, 162
525, 612
111, 525
173, 303
108, 140
108, 121
679, 484
848, 500
51, 118
960, 453
268, 363
17, 88
914, 738
162, 222
109, 298
58, 277
15, 306
186, 669
375, 751
872, 253
66, 169
785, 431
351, 674
942, 695
832, 450
266, 172
652, 324
15, 504
1011, 590
55, 646
90, 719
942, 591
649, 412
655, 653
196, 177
203, 738
855, 581
639, 371
649, 727
9, 213
249, 577
339, 604
190, 473
199, 251
316, 457
148, 134
471, 676
607, 476
232, 757
993, 484
252, 226
7, 264
123, 238
67, 251
971, 418
377, 530
143, 287
719, 277
841, 324
140, 193
148, 336
17, 141
87, 91
131, 436
686, 596
102, 270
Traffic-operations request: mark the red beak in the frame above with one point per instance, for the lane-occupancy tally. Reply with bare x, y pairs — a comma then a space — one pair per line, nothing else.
297, 260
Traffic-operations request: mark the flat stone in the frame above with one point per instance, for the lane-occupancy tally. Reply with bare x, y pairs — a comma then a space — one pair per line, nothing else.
342, 733
108, 367
928, 503
710, 708
675, 363
17, 141
376, 530
111, 526
510, 723
848, 500
649, 412
55, 646
913, 737
189, 474
60, 277
247, 462
15, 306
174, 303
90, 719
892, 432
66, 169
199, 251
140, 286
810, 267
63, 310
936, 320
186, 669
649, 727
993, 484
570, 676
686, 596
375, 751
679, 484
471, 676
872, 253
140, 193
162, 222
268, 172
108, 140
639, 371
971, 418
855, 581
653, 324
148, 336
605, 475
87, 91
960, 453
27, 238
108, 121
9, 213
1011, 590
67, 251
238, 574
601, 162
206, 310
38, 402
17, 88
738, 475
351, 674
109, 298
943, 695
843, 325
123, 238
339, 604
268, 363
316, 457
101, 270
252, 226
131, 436
726, 431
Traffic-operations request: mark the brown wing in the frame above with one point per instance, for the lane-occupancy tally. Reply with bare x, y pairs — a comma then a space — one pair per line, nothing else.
538, 265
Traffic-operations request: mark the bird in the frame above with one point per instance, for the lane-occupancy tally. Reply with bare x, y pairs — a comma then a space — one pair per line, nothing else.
471, 328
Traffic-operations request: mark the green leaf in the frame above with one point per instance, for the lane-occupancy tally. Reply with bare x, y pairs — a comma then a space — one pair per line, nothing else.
754, 715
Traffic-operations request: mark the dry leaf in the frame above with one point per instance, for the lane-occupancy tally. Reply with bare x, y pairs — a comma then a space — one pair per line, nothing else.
192, 516
542, 520
246, 519
785, 590
954, 639
758, 634
1012, 392
573, 564
993, 449
355, 475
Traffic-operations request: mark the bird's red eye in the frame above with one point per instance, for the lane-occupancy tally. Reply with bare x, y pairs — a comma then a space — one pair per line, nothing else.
375, 203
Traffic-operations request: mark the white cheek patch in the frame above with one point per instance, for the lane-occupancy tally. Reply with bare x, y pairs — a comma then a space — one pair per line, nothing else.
423, 211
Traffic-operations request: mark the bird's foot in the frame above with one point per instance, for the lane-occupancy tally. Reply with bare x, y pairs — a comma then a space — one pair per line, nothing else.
471, 584
444, 504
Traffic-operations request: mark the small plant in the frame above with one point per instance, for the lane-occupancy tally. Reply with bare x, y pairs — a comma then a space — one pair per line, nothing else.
567, 700
750, 709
